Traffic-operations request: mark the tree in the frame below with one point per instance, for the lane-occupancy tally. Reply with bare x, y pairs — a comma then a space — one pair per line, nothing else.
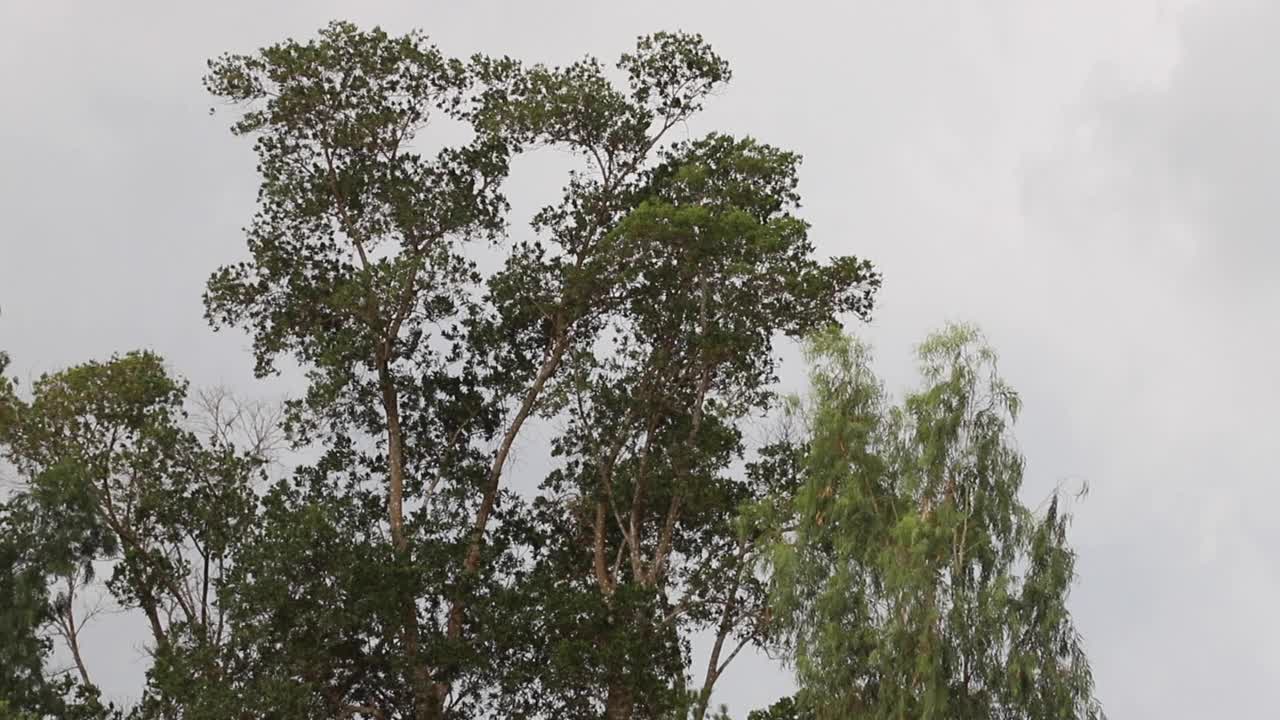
713, 267
355, 260
643, 311
396, 574
111, 475
911, 581
30, 554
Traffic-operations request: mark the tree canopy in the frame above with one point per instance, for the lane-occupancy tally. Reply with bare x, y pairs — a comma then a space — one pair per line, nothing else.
407, 567
911, 580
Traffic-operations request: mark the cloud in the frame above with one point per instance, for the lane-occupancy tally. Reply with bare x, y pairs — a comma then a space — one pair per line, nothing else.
1089, 181
1154, 201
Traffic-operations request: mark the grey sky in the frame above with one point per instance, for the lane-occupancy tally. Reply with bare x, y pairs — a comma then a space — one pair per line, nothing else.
1090, 181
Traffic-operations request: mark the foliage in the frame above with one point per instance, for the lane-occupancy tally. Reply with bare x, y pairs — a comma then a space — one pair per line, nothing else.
784, 709
914, 582
397, 574
111, 475
643, 311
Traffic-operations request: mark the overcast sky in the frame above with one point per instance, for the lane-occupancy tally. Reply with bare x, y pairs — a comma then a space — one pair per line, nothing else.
1089, 180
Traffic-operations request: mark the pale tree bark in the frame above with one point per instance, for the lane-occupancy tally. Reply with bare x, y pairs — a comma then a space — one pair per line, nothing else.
728, 619
471, 566
65, 625
425, 706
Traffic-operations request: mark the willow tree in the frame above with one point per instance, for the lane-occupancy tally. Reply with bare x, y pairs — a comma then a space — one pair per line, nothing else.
912, 580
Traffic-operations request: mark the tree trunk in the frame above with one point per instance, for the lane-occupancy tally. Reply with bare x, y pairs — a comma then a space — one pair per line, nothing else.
73, 633
425, 705
727, 619
619, 703
471, 563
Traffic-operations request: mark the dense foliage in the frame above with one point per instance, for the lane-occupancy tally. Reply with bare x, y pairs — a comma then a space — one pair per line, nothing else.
398, 572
